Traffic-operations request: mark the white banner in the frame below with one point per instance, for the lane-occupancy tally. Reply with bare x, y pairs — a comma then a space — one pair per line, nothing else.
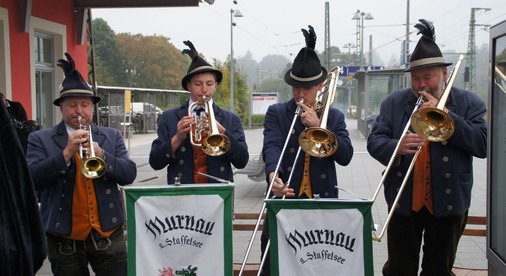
179, 230
315, 242
320, 237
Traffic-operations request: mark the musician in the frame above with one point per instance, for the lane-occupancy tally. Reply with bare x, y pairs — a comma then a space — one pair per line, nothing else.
173, 149
83, 217
435, 202
318, 174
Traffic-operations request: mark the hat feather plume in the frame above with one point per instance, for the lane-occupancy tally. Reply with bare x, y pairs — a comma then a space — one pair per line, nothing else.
68, 65
426, 29
192, 52
310, 37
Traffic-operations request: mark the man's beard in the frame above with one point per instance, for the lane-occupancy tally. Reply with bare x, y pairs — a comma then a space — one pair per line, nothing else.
437, 93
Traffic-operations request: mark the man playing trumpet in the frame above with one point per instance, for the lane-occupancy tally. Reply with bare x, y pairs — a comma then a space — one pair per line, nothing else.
176, 147
83, 217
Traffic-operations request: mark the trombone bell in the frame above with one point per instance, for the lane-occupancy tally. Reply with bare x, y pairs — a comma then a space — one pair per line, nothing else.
433, 124
318, 142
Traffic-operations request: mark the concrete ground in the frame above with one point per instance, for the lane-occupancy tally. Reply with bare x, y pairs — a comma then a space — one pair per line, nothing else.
361, 178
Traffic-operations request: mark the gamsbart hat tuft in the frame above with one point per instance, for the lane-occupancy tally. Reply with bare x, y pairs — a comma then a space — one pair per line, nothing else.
426, 53
306, 70
198, 65
73, 84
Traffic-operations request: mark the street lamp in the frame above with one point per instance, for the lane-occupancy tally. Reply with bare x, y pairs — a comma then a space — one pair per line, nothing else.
360, 43
233, 13
349, 46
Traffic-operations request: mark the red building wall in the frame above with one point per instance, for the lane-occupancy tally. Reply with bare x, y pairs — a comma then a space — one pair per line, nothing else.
59, 11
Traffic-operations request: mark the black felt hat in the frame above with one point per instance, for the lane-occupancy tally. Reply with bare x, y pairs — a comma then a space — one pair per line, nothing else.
73, 84
426, 53
198, 65
306, 70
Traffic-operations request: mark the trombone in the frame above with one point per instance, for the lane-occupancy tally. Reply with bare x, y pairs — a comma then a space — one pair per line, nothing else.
433, 124
91, 166
213, 143
271, 183
316, 141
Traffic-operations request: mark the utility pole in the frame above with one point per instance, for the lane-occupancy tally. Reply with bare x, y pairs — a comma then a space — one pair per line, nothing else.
369, 61
406, 41
326, 58
470, 81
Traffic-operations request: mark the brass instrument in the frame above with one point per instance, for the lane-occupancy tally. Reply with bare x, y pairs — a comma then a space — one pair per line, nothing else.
214, 143
271, 183
318, 141
433, 124
91, 166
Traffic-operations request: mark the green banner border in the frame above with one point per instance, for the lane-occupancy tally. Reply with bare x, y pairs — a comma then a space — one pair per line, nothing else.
364, 207
132, 194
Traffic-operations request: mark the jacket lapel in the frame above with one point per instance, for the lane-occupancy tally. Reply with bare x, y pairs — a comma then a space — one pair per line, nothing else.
61, 136
182, 111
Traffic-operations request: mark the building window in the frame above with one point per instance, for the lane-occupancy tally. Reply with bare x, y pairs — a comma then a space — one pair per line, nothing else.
44, 78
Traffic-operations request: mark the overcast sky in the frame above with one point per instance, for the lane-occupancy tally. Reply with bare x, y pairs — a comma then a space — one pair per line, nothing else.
273, 26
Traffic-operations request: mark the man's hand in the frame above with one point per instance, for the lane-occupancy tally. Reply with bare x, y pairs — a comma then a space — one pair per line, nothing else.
410, 143
308, 115
279, 189
75, 140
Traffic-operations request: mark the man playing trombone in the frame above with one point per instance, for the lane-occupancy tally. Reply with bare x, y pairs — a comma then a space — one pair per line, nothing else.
183, 144
311, 176
434, 204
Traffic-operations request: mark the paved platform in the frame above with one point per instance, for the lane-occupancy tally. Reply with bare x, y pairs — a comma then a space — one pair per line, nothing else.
361, 178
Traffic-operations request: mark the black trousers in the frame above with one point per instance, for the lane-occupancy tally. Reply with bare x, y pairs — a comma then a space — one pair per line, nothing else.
107, 256
440, 241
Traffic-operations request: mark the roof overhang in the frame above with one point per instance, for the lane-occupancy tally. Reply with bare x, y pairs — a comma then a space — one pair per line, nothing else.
81, 8
134, 3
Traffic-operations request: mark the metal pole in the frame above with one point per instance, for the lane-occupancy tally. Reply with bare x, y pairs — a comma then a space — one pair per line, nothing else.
361, 39
231, 60
250, 109
406, 50
369, 62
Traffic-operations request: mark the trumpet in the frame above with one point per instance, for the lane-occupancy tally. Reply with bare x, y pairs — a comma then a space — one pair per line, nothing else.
318, 141
91, 166
213, 143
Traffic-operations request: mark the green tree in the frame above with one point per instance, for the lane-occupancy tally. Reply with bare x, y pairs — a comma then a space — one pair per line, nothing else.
106, 61
149, 61
276, 85
241, 91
